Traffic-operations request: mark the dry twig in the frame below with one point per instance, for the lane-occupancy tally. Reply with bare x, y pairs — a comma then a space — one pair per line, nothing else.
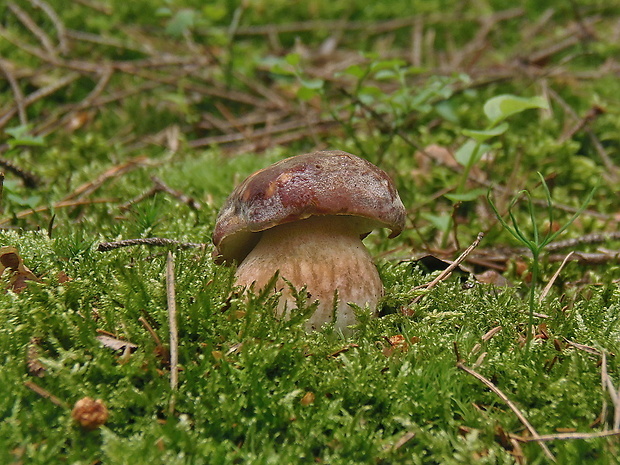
568, 436
150, 241
33, 27
17, 92
448, 271
174, 332
45, 393
535, 436
547, 288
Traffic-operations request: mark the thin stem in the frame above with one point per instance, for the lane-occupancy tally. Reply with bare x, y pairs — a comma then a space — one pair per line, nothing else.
533, 284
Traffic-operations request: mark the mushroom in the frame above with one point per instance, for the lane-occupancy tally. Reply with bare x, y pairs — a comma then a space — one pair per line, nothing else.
305, 217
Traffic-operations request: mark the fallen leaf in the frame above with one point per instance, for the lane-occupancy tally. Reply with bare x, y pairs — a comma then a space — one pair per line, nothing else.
492, 277
116, 344
307, 399
35, 367
11, 261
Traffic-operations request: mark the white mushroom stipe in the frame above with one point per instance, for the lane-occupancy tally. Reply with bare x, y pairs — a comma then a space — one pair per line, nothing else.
323, 253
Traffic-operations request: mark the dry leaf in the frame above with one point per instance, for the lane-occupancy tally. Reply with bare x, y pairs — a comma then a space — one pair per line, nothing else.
492, 277
307, 399
35, 367
116, 344
11, 261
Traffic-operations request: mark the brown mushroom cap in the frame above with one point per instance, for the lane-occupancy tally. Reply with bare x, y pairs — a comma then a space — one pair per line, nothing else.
318, 183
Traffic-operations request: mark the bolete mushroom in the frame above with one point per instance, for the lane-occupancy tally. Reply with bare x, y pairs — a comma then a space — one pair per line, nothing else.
305, 217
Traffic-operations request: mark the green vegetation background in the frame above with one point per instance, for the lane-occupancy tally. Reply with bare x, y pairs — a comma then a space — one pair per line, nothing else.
253, 389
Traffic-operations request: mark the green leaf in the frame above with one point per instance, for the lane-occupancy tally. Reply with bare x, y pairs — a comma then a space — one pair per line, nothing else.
20, 136
181, 22
441, 222
214, 12
470, 153
502, 106
354, 70
314, 84
483, 135
386, 74
466, 196
281, 67
387, 64
306, 93
293, 59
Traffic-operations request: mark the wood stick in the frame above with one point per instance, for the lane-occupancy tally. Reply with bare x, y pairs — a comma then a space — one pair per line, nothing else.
535, 436
45, 393
567, 436
174, 332
151, 241
445, 273
17, 92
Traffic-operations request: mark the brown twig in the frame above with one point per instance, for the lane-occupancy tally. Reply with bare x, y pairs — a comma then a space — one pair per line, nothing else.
614, 394
586, 239
585, 348
151, 331
38, 95
106, 41
30, 179
547, 288
95, 5
33, 27
535, 436
588, 258
568, 436
150, 241
61, 204
45, 394
1, 192
114, 172
612, 169
163, 187
174, 332
58, 24
448, 271
316, 122
17, 92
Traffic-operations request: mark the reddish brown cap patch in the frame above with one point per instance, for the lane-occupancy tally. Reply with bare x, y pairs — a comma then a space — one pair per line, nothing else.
317, 183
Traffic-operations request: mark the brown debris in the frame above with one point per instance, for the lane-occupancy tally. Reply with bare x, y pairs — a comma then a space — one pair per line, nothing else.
116, 344
34, 365
90, 413
11, 262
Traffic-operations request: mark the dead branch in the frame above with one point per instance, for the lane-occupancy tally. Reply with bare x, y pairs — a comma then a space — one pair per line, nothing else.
45, 394
172, 320
38, 95
260, 133
568, 436
30, 179
535, 436
150, 241
62, 204
547, 288
17, 92
448, 271
58, 24
118, 170
39, 33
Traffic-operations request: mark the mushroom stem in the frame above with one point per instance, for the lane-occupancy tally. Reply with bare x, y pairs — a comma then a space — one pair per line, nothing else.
323, 253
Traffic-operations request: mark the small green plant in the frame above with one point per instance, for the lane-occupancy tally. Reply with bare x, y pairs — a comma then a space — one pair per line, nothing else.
497, 109
538, 242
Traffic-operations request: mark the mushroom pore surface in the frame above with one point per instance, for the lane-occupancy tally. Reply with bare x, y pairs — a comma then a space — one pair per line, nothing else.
323, 253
